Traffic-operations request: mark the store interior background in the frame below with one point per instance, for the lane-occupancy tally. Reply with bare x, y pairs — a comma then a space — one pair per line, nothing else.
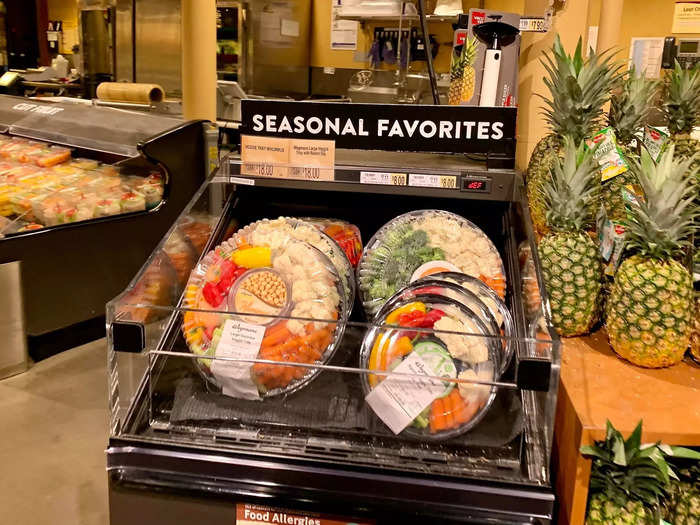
88, 430
652, 18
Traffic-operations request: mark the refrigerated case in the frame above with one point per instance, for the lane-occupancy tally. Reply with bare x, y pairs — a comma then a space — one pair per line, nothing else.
181, 449
73, 263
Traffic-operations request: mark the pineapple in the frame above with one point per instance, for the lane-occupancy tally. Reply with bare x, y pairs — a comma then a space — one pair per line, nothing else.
682, 506
627, 481
650, 305
629, 109
462, 74
578, 89
695, 336
682, 110
570, 260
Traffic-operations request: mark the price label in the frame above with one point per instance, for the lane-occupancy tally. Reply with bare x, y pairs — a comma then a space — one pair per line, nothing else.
386, 179
533, 24
432, 181
264, 157
312, 160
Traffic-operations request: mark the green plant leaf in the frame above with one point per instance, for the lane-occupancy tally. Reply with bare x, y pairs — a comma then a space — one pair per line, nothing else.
634, 441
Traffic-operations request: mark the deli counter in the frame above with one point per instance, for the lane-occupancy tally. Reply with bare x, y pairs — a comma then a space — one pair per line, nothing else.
86, 193
354, 349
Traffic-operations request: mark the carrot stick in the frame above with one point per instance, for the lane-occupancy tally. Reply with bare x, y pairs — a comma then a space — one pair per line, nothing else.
438, 422
459, 407
276, 336
449, 411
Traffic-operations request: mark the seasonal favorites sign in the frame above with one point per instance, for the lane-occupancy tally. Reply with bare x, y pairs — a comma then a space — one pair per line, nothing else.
458, 129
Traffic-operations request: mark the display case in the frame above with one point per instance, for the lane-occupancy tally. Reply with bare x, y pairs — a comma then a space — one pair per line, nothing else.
206, 421
86, 193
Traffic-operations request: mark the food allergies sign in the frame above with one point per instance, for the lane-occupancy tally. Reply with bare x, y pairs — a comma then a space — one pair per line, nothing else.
453, 129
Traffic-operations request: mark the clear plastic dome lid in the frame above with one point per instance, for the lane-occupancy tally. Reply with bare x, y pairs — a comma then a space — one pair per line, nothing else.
284, 303
272, 232
490, 299
420, 334
420, 243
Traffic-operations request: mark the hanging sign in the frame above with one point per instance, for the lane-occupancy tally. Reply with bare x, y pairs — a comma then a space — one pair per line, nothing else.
395, 127
686, 17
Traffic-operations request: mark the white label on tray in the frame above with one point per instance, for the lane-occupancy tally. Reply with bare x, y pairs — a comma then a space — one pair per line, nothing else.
432, 181
241, 180
239, 340
379, 177
398, 400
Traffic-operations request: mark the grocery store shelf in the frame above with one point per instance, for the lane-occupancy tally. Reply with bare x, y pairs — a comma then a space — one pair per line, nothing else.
395, 18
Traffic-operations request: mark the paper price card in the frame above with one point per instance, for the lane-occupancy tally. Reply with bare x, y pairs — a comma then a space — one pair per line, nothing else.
239, 340
247, 514
264, 156
432, 181
280, 158
312, 159
398, 400
386, 179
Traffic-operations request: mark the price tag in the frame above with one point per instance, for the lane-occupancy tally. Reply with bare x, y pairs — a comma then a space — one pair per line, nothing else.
399, 399
432, 181
387, 179
241, 180
312, 159
533, 24
239, 340
264, 156
299, 159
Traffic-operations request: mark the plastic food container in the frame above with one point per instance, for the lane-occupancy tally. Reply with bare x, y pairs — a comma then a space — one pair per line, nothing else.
420, 243
345, 234
276, 292
489, 299
429, 325
271, 233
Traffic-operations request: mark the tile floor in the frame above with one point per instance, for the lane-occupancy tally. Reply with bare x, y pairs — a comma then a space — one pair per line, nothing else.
53, 433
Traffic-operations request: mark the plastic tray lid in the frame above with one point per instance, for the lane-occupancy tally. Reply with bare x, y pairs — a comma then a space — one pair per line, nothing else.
290, 296
460, 344
418, 243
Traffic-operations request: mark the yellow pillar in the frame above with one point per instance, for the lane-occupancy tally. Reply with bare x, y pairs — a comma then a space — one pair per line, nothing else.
609, 24
199, 59
570, 22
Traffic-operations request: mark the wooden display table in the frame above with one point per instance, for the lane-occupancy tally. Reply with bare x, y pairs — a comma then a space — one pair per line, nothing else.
595, 386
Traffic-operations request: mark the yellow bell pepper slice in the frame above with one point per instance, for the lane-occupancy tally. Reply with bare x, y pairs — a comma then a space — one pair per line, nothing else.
410, 307
379, 348
255, 257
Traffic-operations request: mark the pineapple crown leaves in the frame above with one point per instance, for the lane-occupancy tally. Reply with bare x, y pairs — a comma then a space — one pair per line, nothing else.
685, 460
571, 188
682, 99
662, 225
626, 469
630, 106
578, 89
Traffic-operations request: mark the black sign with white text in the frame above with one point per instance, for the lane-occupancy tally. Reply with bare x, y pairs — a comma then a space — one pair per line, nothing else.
394, 127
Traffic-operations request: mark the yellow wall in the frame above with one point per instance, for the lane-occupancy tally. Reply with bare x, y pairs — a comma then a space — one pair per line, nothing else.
67, 11
640, 18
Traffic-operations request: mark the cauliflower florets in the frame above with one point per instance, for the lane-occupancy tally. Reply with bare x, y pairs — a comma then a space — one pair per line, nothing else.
462, 347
